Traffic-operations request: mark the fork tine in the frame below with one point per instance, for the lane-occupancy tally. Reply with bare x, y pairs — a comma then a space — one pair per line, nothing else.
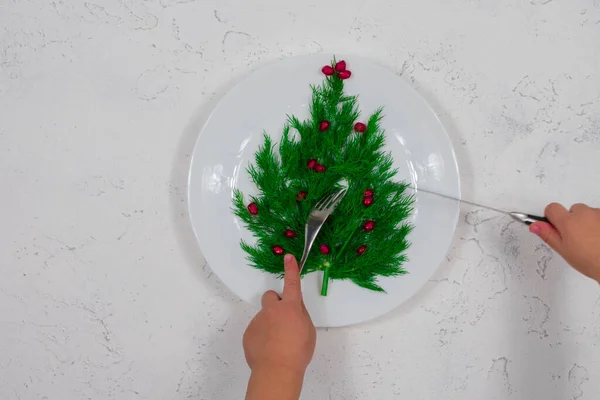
337, 198
319, 203
324, 202
318, 216
331, 199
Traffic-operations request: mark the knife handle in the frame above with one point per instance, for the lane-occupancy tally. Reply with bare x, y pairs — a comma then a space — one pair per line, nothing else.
529, 219
534, 218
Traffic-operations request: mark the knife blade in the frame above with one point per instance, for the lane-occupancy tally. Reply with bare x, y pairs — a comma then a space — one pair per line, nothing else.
524, 218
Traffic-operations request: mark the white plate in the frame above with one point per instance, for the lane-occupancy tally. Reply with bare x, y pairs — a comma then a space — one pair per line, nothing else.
419, 144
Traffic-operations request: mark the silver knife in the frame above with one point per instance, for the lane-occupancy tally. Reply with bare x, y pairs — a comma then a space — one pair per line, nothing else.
527, 219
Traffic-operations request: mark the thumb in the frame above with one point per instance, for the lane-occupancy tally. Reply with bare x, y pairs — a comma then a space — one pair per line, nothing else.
548, 234
291, 280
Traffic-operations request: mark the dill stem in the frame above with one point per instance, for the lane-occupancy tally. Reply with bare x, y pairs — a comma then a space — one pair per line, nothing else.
339, 253
325, 283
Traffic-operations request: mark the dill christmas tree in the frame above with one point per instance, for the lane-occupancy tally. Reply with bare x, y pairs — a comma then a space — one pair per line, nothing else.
366, 236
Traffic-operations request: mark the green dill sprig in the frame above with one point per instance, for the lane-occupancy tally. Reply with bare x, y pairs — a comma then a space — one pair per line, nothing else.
281, 173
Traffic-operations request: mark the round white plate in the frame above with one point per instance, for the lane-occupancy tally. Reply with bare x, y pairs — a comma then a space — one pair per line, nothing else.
420, 147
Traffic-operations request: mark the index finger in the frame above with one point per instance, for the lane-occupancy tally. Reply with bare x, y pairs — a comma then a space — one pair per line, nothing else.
291, 280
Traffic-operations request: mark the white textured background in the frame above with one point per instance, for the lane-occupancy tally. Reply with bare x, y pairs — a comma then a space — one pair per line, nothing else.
103, 293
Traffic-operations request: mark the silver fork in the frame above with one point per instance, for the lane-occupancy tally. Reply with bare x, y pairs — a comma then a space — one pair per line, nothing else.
317, 217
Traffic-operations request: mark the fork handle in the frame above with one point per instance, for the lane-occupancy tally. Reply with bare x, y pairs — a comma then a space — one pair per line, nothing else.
310, 234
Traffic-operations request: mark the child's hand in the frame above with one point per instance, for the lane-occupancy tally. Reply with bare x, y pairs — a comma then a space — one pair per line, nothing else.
575, 236
280, 341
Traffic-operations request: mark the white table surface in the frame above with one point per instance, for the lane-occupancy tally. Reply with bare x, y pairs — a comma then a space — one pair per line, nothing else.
103, 291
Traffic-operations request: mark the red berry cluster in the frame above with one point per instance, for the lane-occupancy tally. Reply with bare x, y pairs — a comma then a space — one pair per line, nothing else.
339, 68
278, 250
314, 165
324, 249
253, 208
369, 225
289, 234
324, 126
368, 198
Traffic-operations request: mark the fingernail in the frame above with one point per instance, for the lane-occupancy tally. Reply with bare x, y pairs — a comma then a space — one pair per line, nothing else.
535, 229
288, 258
